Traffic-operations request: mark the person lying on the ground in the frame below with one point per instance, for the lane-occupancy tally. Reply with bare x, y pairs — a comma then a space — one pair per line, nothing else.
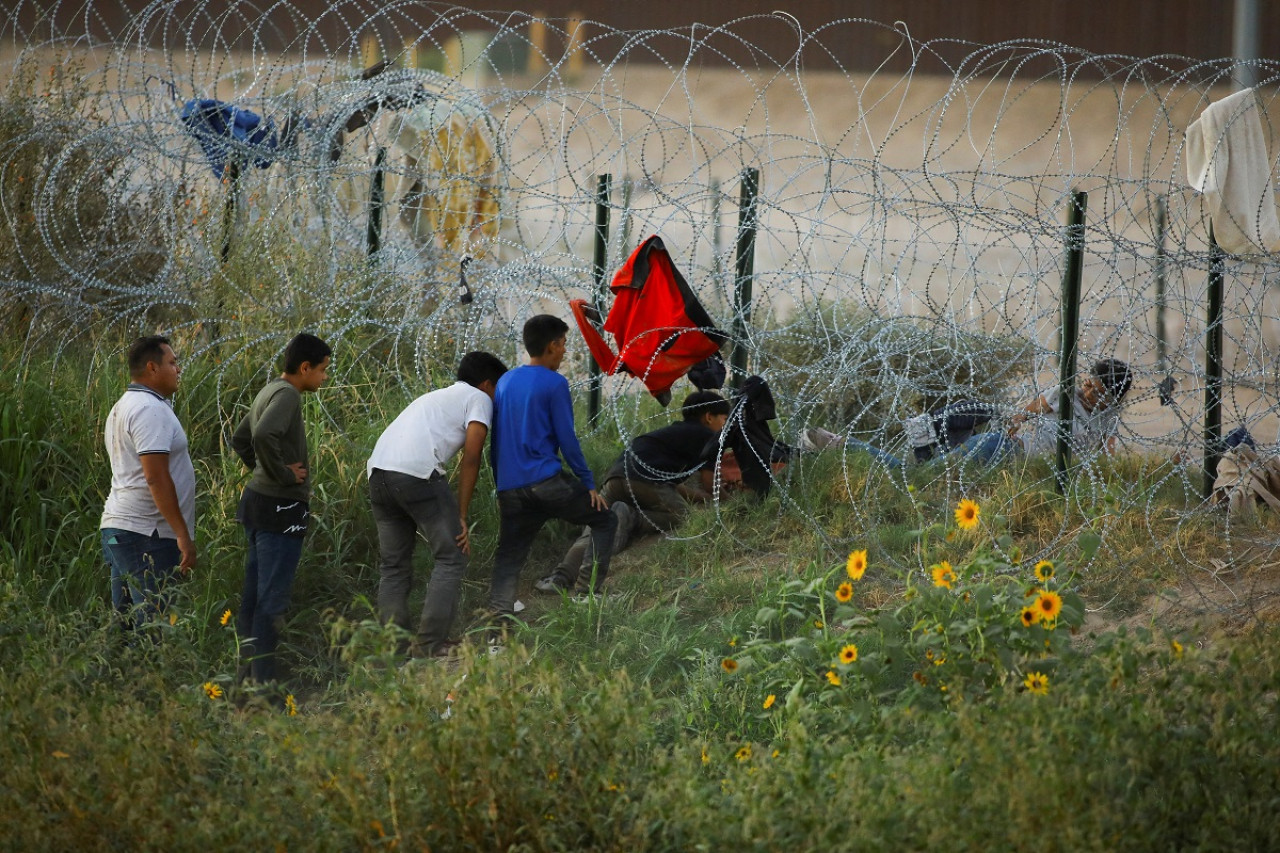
1095, 420
646, 486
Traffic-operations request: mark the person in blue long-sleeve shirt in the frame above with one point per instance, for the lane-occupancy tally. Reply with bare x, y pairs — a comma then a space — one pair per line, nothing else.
532, 431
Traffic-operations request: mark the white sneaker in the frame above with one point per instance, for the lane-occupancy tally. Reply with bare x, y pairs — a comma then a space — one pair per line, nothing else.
592, 597
554, 582
817, 438
919, 431
519, 606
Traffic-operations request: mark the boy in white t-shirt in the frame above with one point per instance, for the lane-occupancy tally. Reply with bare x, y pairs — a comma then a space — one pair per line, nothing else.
148, 521
410, 494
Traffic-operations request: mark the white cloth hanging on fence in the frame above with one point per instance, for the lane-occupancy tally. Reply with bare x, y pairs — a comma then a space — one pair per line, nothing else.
1227, 161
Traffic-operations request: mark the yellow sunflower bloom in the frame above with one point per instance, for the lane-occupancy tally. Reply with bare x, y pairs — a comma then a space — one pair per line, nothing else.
849, 654
729, 665
833, 678
1037, 683
1049, 604
1044, 570
967, 513
743, 754
1176, 648
290, 705
1029, 616
212, 690
857, 565
943, 575
844, 592
769, 700
226, 617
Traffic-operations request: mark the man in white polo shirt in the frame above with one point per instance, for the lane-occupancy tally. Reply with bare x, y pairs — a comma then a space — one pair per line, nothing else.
148, 521
410, 494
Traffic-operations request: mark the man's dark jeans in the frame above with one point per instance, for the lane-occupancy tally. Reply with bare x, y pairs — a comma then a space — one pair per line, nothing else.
141, 567
270, 565
403, 507
524, 511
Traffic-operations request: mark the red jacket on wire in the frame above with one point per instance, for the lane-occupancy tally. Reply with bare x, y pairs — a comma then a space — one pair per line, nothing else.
660, 328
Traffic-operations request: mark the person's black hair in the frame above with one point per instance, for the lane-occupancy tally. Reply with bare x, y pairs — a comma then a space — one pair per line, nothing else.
305, 349
476, 367
540, 331
701, 403
1115, 377
145, 350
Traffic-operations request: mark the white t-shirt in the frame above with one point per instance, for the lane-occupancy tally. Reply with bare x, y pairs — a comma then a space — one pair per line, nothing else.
431, 430
143, 422
1089, 430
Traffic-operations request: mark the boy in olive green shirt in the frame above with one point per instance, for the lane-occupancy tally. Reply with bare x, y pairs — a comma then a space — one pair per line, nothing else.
272, 440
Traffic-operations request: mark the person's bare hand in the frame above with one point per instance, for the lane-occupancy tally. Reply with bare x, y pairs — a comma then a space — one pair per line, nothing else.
598, 501
464, 539
299, 471
187, 547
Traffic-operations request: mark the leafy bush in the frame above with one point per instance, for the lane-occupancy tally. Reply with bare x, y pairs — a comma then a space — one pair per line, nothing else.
842, 366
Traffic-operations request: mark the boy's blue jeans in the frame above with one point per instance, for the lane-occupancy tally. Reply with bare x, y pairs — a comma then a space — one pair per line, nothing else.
141, 567
987, 447
270, 565
524, 511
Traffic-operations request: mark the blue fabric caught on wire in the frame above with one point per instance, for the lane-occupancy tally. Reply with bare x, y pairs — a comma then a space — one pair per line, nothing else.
223, 128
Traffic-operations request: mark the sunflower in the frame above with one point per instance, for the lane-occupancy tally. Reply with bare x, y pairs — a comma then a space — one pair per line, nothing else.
212, 690
1029, 616
1044, 570
769, 700
857, 565
1176, 648
1049, 604
290, 705
729, 665
743, 754
1037, 683
833, 678
967, 513
849, 654
226, 617
943, 575
844, 592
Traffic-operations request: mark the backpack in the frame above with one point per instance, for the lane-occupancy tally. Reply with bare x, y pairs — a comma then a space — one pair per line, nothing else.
1245, 480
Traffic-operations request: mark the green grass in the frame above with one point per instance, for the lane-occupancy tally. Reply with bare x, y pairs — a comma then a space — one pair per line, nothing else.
621, 726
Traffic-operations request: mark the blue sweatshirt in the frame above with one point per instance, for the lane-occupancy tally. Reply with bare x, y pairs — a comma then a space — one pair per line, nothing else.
532, 423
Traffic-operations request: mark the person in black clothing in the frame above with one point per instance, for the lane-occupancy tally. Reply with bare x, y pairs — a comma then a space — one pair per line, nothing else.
646, 487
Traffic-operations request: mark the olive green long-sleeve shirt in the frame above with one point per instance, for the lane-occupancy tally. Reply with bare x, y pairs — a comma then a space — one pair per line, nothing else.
272, 437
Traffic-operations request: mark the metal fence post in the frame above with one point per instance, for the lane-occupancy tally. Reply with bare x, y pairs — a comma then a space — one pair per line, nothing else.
1070, 331
746, 261
231, 206
373, 233
604, 187
1213, 367
1162, 331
